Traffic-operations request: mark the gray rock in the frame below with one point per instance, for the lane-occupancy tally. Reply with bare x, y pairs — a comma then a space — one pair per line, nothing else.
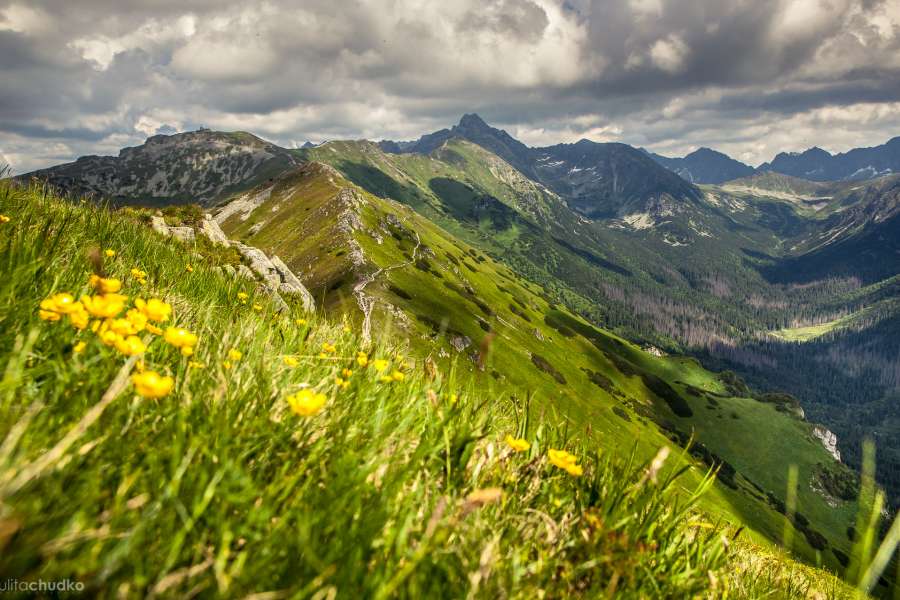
245, 272
210, 228
460, 342
185, 234
828, 439
260, 264
291, 284
159, 225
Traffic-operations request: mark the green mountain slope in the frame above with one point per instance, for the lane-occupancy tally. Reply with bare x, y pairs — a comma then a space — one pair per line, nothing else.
398, 272
260, 472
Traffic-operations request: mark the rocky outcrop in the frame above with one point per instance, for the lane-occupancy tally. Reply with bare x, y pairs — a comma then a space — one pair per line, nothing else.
210, 228
276, 275
182, 233
828, 439
291, 284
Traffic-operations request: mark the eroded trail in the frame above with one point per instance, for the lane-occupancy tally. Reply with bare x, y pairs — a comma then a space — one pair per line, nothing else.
366, 303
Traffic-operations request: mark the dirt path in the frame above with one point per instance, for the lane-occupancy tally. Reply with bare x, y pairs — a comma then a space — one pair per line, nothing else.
366, 303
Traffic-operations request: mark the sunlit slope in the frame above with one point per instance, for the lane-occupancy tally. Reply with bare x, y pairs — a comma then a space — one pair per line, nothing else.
454, 303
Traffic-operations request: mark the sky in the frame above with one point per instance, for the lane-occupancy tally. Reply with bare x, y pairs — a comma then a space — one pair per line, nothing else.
750, 78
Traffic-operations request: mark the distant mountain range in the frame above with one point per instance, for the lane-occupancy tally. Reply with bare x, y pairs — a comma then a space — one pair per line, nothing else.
709, 166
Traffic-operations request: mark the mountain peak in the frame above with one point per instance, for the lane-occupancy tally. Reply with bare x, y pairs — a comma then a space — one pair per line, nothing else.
472, 121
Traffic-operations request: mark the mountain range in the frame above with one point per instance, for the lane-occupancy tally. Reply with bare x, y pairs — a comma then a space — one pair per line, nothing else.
614, 281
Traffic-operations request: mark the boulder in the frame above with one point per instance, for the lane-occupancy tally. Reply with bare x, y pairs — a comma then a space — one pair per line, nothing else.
210, 228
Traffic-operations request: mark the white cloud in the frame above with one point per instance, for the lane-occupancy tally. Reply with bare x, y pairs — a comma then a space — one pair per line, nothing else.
669, 53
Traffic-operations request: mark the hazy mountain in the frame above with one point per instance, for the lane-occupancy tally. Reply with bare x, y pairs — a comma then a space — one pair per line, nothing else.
820, 165
704, 166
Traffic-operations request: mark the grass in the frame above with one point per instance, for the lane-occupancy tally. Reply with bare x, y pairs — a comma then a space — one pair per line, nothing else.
399, 489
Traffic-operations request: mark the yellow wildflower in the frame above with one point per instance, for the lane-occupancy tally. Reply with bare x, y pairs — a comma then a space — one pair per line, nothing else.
300, 322
362, 359
79, 318
196, 365
306, 402
257, 307
154, 329
104, 285
120, 326
380, 364
187, 350
130, 345
189, 268
151, 384
180, 337
105, 306
154, 309
137, 319
519, 445
398, 376
49, 315
290, 361
62, 304
454, 398
235, 354
226, 364
108, 337
347, 373
138, 274
4, 219
329, 348
109, 253
79, 347
565, 461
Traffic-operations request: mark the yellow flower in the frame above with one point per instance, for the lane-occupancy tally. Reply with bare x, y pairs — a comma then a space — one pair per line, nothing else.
154, 329
306, 402
453, 398
519, 445
346, 373
257, 307
243, 296
300, 322
104, 285
138, 274
187, 350
362, 359
105, 306
154, 309
49, 315
235, 354
4, 219
180, 337
398, 376
290, 361
151, 384
226, 364
109, 253
130, 345
60, 303
565, 461
380, 364
79, 347
108, 337
329, 348
137, 319
189, 268
79, 318
196, 365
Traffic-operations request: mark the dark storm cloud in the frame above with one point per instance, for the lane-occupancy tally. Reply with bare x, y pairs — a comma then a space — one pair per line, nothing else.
750, 77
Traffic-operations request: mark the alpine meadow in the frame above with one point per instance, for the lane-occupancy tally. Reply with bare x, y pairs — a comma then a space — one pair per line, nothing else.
510, 299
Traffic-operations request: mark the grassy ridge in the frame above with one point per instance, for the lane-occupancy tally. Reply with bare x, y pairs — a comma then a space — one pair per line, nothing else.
395, 489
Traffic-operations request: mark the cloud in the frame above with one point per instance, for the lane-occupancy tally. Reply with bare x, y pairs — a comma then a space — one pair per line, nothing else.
749, 78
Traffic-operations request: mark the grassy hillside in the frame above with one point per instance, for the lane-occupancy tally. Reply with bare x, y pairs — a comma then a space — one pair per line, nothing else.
453, 304
255, 469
